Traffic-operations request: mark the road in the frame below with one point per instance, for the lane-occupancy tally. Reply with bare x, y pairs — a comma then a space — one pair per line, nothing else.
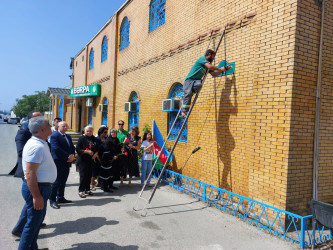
107, 221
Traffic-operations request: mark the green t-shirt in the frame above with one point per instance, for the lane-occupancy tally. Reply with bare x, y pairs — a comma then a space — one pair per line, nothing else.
121, 136
198, 69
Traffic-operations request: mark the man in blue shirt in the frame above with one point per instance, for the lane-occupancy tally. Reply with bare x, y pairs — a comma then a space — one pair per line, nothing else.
193, 81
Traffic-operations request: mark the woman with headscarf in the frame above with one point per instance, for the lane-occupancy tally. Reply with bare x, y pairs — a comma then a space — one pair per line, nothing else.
109, 152
87, 149
102, 134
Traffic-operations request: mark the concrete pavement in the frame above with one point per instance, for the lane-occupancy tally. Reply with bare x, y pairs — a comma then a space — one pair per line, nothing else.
107, 221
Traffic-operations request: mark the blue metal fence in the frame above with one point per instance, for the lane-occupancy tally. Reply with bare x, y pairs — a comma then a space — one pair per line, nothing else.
281, 223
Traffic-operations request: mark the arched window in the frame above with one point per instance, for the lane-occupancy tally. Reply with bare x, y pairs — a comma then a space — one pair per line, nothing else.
156, 14
105, 112
91, 59
104, 49
124, 33
61, 107
90, 115
133, 117
176, 93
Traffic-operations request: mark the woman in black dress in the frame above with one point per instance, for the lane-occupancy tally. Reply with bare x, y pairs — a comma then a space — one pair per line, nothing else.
132, 144
109, 153
87, 149
102, 134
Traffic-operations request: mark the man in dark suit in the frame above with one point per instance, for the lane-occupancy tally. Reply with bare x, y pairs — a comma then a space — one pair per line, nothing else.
62, 150
21, 138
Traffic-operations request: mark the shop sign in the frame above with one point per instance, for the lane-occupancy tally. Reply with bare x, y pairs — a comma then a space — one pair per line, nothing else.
87, 90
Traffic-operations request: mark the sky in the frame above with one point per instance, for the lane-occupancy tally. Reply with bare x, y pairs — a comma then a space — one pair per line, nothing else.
38, 38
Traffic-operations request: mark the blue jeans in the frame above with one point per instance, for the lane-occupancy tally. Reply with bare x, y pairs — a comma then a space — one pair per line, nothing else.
22, 220
35, 217
146, 167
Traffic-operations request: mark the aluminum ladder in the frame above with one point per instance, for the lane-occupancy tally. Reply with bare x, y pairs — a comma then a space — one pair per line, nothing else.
148, 201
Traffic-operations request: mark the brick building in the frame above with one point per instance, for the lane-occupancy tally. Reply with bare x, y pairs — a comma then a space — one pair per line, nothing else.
256, 127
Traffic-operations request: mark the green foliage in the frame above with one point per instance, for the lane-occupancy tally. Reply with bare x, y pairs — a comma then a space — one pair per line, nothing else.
27, 103
146, 128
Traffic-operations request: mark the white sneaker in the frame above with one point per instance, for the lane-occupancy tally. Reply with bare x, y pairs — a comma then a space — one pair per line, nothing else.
183, 116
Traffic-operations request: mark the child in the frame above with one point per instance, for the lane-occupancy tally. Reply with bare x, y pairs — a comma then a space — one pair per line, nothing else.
147, 158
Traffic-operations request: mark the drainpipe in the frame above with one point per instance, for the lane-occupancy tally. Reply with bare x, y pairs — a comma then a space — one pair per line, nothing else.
115, 71
317, 112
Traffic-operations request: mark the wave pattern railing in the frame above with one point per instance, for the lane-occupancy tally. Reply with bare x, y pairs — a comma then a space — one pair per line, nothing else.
283, 224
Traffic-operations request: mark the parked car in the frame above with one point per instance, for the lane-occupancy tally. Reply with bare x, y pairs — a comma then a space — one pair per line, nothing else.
13, 120
5, 119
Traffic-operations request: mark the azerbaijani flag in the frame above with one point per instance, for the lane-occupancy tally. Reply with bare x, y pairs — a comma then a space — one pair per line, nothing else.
158, 144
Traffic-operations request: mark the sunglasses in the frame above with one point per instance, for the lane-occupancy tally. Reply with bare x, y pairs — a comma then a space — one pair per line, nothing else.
105, 132
121, 124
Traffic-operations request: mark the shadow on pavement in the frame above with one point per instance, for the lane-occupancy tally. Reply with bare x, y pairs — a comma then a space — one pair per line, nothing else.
92, 245
90, 201
5, 175
80, 226
72, 184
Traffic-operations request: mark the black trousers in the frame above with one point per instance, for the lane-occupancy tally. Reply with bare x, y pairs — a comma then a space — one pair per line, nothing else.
85, 170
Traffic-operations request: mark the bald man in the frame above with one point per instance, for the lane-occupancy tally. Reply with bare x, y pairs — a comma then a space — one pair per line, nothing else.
62, 150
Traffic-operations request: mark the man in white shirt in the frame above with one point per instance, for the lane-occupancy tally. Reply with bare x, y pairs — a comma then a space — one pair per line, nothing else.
55, 127
56, 124
39, 174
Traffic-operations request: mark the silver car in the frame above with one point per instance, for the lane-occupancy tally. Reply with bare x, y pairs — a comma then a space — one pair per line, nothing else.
13, 120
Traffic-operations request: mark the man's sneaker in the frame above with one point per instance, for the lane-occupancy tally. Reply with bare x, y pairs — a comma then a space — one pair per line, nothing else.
183, 115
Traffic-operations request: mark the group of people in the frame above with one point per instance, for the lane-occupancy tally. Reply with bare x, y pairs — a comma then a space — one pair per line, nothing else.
45, 156
110, 157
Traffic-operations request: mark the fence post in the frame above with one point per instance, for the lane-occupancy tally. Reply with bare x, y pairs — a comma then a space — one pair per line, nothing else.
204, 193
301, 242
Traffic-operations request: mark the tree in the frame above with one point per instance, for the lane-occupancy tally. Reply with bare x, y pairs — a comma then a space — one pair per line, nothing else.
38, 101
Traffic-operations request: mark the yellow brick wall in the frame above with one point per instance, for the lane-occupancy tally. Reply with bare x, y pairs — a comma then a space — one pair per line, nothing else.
241, 122
325, 185
300, 187
79, 68
255, 128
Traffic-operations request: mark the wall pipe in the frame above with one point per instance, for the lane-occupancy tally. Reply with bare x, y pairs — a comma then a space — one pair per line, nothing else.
317, 111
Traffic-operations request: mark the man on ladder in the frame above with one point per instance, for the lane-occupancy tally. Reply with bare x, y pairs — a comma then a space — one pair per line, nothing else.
193, 82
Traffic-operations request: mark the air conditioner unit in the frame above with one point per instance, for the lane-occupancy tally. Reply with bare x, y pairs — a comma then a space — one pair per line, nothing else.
130, 106
90, 102
102, 107
171, 105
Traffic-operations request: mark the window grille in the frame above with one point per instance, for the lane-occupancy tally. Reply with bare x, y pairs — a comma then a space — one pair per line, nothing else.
157, 14
133, 117
91, 59
176, 93
104, 49
105, 113
124, 33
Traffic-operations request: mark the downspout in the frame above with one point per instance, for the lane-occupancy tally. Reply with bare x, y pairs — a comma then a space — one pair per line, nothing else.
115, 71
70, 98
317, 111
